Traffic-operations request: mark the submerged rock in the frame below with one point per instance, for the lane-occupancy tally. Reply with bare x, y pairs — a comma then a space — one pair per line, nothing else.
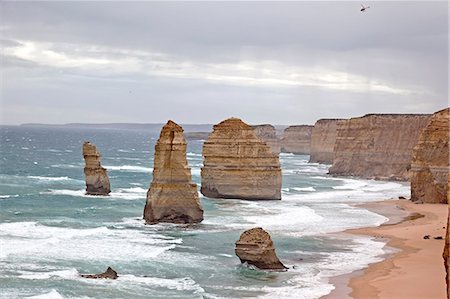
172, 196
97, 181
238, 164
430, 161
255, 247
108, 274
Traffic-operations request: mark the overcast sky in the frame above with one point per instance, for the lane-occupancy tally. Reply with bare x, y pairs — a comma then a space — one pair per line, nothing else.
202, 62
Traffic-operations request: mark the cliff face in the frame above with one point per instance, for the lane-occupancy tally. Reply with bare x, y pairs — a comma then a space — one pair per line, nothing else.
430, 161
297, 140
97, 181
323, 139
237, 164
377, 146
255, 247
172, 196
447, 242
268, 134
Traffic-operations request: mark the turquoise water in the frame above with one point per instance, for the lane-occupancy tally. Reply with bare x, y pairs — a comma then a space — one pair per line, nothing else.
50, 232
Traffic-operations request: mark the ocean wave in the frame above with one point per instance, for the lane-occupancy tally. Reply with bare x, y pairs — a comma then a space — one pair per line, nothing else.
130, 168
308, 189
51, 179
8, 196
66, 166
53, 294
193, 154
120, 193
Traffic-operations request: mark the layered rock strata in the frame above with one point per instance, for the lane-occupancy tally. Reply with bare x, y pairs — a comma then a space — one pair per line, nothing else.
377, 146
430, 161
323, 139
237, 164
297, 140
268, 134
172, 197
97, 181
255, 247
108, 274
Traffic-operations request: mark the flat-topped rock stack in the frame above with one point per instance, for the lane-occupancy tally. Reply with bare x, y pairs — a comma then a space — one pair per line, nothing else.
297, 140
377, 146
268, 134
323, 139
430, 161
237, 164
97, 181
172, 196
255, 247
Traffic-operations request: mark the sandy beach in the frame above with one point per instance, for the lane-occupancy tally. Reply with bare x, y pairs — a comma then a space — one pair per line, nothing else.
415, 269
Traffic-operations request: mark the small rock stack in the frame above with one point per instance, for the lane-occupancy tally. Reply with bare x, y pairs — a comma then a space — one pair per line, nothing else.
97, 181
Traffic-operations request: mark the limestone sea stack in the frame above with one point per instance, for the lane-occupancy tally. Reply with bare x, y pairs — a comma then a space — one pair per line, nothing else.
255, 247
97, 181
430, 161
447, 242
323, 139
377, 146
297, 140
172, 196
268, 134
237, 164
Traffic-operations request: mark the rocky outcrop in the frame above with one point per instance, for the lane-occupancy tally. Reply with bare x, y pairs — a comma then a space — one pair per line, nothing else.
237, 164
447, 242
323, 139
297, 140
377, 146
268, 134
172, 196
97, 181
255, 247
108, 274
430, 161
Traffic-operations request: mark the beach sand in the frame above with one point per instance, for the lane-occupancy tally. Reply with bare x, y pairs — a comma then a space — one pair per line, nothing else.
415, 269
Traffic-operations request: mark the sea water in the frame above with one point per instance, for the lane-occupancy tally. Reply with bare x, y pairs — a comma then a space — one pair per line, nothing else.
50, 231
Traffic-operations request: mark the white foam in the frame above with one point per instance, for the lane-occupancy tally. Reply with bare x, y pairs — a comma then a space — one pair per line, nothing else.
52, 179
53, 294
193, 154
64, 166
309, 189
65, 274
9, 196
350, 184
130, 168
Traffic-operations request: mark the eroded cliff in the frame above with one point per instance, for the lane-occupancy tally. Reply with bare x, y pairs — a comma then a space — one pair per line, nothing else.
297, 140
97, 181
268, 134
377, 146
237, 164
172, 196
430, 161
323, 139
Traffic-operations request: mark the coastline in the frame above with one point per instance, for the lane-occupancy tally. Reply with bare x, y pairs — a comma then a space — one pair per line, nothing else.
414, 269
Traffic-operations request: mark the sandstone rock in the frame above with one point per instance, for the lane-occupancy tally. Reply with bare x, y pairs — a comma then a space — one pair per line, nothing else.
297, 140
430, 161
108, 274
323, 139
268, 134
377, 146
172, 196
97, 181
255, 247
447, 242
237, 164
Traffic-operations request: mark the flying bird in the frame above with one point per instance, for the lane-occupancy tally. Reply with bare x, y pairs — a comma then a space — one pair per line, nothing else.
363, 8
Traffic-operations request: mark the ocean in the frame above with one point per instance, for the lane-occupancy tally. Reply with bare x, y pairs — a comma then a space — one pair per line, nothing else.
51, 232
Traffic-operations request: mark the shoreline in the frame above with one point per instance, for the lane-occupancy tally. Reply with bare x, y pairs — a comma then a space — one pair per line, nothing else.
412, 267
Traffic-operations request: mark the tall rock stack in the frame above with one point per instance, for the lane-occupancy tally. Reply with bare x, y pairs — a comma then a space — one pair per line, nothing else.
430, 161
97, 181
297, 140
237, 164
377, 146
323, 139
268, 134
172, 196
447, 242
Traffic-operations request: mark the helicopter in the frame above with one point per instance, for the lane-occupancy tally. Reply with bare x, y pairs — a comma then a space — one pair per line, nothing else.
363, 8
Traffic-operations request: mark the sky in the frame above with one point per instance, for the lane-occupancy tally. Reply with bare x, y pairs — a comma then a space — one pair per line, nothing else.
202, 62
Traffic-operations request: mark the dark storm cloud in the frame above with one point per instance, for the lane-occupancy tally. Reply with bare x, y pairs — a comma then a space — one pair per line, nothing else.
289, 62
